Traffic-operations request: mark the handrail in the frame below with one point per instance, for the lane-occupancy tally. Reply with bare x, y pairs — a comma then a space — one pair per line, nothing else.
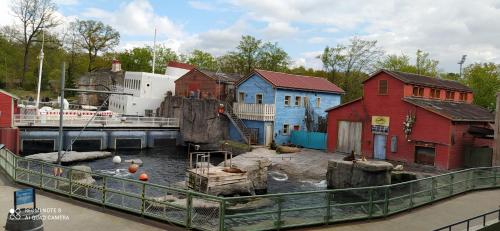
218, 212
467, 221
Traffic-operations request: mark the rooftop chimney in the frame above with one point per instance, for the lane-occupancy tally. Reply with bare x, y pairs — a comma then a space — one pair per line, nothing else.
116, 66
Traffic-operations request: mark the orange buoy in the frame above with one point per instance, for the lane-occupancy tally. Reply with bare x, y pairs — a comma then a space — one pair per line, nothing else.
143, 177
133, 168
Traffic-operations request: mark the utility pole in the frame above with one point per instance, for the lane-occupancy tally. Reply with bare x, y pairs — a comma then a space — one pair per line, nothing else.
61, 113
154, 52
40, 72
461, 62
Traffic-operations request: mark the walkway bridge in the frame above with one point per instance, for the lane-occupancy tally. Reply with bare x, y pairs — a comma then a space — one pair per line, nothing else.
86, 131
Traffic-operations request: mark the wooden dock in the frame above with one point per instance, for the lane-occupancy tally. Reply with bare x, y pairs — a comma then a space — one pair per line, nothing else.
203, 179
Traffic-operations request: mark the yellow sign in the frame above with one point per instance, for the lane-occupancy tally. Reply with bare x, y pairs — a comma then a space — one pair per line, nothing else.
380, 121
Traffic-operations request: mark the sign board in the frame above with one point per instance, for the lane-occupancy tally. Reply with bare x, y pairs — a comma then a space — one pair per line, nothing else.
380, 124
380, 121
24, 196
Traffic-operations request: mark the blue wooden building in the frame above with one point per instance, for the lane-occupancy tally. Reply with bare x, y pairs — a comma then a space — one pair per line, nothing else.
271, 105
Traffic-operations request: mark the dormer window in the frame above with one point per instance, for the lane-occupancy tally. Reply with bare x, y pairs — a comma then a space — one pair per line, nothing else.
435, 93
418, 91
382, 87
450, 95
463, 96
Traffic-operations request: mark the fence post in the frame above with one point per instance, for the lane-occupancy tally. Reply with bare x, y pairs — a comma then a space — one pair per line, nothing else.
386, 201
104, 190
70, 175
452, 177
370, 206
41, 175
433, 188
277, 223
143, 205
473, 179
15, 168
495, 175
222, 212
328, 207
189, 204
411, 195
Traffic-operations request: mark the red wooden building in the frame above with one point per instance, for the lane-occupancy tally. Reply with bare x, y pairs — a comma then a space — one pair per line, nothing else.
9, 135
206, 84
410, 118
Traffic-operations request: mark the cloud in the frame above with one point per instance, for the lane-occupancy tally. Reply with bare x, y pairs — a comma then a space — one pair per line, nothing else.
317, 40
67, 2
201, 5
137, 18
277, 30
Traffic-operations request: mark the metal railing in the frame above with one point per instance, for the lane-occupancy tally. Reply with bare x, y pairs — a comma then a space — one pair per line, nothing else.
264, 212
475, 223
98, 121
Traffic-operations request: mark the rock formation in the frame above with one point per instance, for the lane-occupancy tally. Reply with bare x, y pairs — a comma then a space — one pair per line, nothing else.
350, 174
69, 156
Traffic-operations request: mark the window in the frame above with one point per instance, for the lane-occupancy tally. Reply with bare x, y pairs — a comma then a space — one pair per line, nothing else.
463, 96
298, 101
286, 129
382, 87
418, 91
435, 93
287, 100
241, 97
318, 102
296, 127
258, 98
450, 95
306, 101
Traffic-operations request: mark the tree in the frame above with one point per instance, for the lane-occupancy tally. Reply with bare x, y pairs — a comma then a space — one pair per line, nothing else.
361, 55
34, 15
333, 60
202, 60
163, 56
484, 79
137, 59
247, 52
423, 64
95, 37
272, 57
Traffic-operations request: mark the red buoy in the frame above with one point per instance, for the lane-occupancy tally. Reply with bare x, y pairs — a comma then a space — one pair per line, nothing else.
133, 168
143, 177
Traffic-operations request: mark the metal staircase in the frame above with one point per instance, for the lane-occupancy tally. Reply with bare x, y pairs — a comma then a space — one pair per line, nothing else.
240, 126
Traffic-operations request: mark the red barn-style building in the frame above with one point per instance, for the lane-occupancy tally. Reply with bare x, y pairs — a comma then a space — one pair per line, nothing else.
206, 84
9, 135
410, 118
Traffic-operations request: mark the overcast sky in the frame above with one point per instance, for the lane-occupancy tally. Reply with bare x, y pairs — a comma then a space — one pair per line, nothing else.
446, 29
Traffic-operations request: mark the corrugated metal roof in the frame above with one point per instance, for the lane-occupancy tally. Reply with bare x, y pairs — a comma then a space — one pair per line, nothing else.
428, 81
300, 82
454, 111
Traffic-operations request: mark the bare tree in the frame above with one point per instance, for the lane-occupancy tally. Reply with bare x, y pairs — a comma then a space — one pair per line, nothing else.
94, 37
33, 15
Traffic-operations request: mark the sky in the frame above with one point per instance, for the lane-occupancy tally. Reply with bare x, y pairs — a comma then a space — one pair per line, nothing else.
447, 29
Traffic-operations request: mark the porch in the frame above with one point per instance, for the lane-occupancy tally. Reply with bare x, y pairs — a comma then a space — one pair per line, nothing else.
252, 111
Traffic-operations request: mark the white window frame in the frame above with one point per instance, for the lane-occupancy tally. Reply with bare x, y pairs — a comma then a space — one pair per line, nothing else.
288, 130
261, 98
306, 101
240, 99
298, 103
318, 101
289, 99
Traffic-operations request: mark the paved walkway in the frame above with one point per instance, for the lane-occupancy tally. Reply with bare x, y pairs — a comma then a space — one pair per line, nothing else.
80, 215
429, 217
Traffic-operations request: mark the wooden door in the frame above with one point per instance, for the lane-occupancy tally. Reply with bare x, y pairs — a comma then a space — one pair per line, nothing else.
349, 137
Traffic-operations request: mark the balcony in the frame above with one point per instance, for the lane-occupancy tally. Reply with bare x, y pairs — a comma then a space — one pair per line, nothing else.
247, 111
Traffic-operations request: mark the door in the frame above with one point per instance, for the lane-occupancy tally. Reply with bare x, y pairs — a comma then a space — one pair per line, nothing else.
269, 134
379, 146
349, 137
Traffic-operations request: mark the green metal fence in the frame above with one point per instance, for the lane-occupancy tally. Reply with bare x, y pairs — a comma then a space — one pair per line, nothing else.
264, 212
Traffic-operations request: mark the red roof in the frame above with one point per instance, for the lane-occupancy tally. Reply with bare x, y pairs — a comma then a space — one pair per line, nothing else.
180, 65
301, 82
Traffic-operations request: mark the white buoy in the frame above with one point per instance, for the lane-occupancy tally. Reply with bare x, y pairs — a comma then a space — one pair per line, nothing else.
117, 159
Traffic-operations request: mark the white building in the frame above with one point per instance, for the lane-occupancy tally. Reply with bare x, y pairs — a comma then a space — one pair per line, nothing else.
148, 90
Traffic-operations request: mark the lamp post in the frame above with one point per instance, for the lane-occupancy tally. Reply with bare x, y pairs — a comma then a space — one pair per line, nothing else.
461, 62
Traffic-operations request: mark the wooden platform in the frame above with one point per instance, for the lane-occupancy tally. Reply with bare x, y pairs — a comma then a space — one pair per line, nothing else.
202, 179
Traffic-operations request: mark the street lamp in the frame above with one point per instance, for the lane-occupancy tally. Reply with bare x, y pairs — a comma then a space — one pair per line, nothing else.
461, 62
40, 72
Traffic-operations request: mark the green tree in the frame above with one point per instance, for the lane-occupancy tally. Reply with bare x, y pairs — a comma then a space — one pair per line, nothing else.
272, 57
202, 60
163, 56
484, 79
247, 52
95, 37
137, 59
423, 64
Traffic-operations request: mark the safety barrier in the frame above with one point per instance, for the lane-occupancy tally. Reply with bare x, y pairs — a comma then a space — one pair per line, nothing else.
264, 212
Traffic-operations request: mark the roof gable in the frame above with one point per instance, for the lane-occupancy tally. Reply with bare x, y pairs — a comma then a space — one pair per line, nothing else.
296, 82
9, 94
180, 65
422, 80
223, 77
